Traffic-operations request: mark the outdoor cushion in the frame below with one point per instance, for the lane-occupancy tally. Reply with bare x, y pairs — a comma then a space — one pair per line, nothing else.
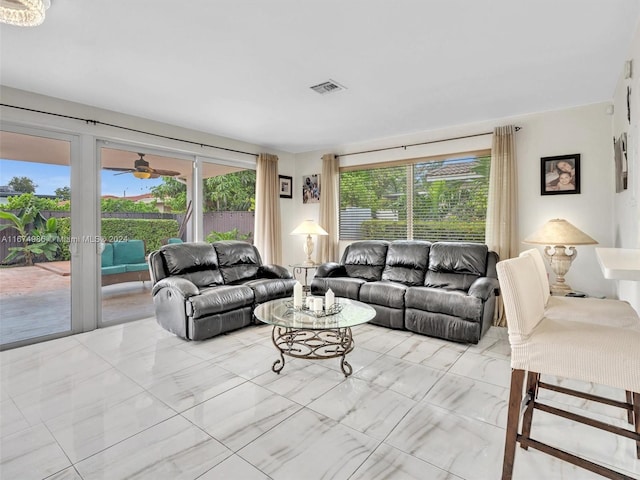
130, 251
113, 269
106, 259
136, 267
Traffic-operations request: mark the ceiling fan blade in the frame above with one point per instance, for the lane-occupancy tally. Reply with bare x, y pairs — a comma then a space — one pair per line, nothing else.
165, 173
119, 169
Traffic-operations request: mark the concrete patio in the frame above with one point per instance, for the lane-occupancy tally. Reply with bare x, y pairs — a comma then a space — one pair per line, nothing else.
36, 301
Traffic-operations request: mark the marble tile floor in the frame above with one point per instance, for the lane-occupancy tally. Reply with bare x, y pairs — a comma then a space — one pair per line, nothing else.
134, 402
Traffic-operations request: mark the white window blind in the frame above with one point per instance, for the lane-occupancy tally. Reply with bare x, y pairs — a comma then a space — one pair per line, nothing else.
443, 199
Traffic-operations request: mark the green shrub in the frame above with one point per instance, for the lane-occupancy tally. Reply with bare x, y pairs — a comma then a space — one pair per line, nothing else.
152, 231
230, 235
437, 231
25, 200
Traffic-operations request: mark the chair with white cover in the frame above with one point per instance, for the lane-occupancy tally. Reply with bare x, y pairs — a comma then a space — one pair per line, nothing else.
569, 348
605, 311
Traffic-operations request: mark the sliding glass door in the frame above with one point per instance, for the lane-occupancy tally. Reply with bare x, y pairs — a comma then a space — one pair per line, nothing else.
36, 243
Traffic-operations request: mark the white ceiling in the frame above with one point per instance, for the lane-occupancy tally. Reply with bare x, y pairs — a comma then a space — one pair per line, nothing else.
243, 68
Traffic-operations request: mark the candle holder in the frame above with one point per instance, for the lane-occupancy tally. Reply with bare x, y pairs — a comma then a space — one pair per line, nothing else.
334, 309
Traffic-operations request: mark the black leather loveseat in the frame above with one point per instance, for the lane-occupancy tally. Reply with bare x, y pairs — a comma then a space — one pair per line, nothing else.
204, 289
440, 289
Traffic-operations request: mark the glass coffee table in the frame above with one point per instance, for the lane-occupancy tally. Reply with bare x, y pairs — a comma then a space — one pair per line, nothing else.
302, 334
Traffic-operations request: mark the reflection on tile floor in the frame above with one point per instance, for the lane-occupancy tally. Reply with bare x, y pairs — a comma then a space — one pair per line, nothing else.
133, 401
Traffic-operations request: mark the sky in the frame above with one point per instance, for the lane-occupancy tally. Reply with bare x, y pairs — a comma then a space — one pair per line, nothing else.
49, 177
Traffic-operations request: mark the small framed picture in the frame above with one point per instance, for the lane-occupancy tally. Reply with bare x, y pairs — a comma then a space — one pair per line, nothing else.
560, 175
311, 188
286, 186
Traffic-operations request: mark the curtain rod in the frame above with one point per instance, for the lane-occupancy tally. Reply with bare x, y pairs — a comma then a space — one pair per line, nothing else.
98, 122
421, 143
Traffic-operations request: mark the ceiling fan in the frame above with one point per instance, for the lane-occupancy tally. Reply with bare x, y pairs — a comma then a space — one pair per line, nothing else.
142, 170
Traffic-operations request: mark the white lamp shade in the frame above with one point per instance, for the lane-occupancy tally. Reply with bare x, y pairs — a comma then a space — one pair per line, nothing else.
309, 227
23, 13
559, 232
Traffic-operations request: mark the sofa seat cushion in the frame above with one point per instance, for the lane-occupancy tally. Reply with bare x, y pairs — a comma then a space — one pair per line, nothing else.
387, 294
113, 270
266, 289
341, 286
136, 267
449, 302
219, 299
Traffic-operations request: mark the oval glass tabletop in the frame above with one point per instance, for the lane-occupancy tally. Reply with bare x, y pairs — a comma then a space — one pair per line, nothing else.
280, 313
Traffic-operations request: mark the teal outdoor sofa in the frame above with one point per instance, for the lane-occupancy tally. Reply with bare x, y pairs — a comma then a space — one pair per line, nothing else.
124, 262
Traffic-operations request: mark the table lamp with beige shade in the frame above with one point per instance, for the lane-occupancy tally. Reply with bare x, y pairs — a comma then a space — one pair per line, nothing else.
560, 238
308, 228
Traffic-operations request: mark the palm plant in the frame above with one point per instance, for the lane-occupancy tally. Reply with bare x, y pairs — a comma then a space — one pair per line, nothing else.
42, 239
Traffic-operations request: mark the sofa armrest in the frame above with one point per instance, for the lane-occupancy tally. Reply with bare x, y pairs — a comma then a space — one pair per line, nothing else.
483, 287
331, 269
273, 271
181, 286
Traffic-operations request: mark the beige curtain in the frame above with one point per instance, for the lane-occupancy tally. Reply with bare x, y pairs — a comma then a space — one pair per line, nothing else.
329, 206
268, 227
501, 234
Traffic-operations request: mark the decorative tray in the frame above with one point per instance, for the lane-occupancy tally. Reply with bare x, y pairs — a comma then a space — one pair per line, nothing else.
335, 308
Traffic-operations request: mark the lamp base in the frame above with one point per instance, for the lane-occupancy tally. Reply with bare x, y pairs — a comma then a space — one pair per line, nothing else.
560, 258
560, 289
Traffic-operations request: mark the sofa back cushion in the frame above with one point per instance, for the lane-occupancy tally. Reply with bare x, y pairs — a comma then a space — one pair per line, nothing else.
365, 259
239, 261
456, 265
129, 251
407, 262
197, 262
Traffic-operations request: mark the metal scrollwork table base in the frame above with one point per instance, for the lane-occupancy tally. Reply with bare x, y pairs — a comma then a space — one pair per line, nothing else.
300, 335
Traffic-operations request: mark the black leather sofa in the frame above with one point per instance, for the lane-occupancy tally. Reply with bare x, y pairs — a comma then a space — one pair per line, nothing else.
204, 289
442, 289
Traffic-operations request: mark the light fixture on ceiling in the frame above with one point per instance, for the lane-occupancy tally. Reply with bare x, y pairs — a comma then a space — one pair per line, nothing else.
23, 13
560, 238
141, 175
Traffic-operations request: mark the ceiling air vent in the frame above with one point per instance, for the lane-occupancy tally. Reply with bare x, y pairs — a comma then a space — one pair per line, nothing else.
327, 87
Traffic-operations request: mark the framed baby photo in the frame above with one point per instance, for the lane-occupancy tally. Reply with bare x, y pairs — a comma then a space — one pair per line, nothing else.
286, 186
560, 175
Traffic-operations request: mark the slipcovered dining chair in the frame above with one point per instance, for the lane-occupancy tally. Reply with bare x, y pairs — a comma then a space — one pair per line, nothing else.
593, 352
605, 311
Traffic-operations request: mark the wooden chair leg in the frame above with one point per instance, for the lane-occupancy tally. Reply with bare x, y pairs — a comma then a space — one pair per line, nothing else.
513, 419
532, 388
629, 412
636, 415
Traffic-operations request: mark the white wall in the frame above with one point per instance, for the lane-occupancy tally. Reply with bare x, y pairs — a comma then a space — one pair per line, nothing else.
626, 213
586, 130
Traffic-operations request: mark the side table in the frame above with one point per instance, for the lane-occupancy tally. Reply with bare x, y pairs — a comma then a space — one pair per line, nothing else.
298, 269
